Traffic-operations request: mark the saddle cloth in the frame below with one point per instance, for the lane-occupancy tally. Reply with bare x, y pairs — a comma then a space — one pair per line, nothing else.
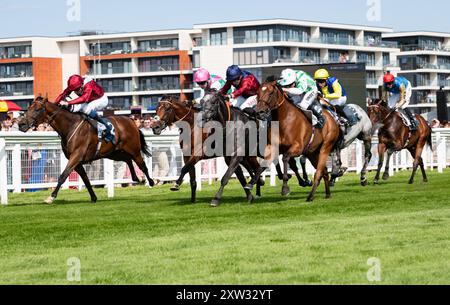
101, 129
405, 119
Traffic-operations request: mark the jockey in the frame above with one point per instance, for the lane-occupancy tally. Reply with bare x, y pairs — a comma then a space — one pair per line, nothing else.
91, 98
333, 93
246, 86
401, 91
207, 82
302, 89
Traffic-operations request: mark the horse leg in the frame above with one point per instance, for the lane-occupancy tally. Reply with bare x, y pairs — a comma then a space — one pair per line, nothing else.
335, 166
422, 168
254, 167
280, 172
326, 179
134, 176
388, 161
417, 155
71, 165
143, 167
305, 173
367, 157
233, 164
381, 151
240, 175
193, 183
315, 162
188, 166
294, 167
81, 171
285, 191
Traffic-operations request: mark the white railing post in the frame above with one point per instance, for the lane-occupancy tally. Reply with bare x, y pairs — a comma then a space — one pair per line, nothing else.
3, 173
198, 175
63, 163
441, 152
273, 175
391, 165
17, 169
210, 177
359, 156
109, 177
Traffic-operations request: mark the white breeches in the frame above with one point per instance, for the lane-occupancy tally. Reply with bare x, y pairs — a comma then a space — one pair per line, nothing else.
243, 103
395, 98
96, 105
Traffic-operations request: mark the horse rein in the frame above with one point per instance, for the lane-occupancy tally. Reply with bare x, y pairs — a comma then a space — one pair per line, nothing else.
171, 110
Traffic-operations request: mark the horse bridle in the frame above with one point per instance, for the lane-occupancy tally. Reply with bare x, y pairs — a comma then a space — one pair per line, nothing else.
389, 114
269, 108
172, 112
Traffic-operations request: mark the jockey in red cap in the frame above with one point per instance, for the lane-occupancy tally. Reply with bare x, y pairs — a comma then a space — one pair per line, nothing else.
91, 98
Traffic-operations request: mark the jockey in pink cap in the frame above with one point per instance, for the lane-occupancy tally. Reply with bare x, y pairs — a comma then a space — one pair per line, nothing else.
206, 81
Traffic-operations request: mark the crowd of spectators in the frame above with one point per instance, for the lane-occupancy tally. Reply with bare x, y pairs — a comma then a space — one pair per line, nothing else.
437, 124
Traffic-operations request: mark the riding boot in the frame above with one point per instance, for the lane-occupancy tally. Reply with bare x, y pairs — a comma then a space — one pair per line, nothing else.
316, 109
107, 133
412, 119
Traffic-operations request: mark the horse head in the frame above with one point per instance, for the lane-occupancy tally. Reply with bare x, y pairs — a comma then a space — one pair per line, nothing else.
269, 97
211, 104
378, 111
35, 114
165, 114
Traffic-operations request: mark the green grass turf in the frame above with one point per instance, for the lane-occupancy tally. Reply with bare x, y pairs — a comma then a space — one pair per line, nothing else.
154, 236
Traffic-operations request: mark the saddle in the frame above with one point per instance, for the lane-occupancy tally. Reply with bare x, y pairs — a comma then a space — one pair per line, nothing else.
405, 119
101, 129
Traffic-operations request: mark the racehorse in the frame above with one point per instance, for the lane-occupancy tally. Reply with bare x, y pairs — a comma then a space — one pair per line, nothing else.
216, 108
361, 131
80, 143
394, 135
171, 111
296, 135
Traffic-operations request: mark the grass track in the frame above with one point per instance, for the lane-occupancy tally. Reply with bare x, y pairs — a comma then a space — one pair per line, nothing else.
157, 237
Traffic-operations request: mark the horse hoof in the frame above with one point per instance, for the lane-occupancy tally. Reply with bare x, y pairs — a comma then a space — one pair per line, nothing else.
262, 182
309, 183
411, 182
248, 187
342, 171
175, 188
376, 182
215, 203
386, 177
364, 182
250, 199
328, 196
310, 199
94, 200
425, 180
257, 197
151, 183
285, 192
49, 200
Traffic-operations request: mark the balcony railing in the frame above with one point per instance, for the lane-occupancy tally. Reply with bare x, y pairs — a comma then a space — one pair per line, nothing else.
407, 48
368, 62
110, 52
444, 83
17, 75
160, 68
15, 92
15, 55
114, 89
381, 44
371, 81
156, 49
274, 38
159, 87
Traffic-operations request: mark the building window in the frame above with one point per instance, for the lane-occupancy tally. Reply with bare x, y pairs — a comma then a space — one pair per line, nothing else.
218, 37
371, 78
115, 85
159, 83
106, 48
16, 70
108, 67
281, 54
257, 56
15, 51
196, 59
367, 58
444, 80
158, 44
309, 56
330, 36
372, 39
16, 89
338, 57
158, 64
264, 34
443, 62
120, 102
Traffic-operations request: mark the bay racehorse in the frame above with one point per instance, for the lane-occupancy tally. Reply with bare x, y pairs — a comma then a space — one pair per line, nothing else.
79, 141
394, 135
172, 111
296, 135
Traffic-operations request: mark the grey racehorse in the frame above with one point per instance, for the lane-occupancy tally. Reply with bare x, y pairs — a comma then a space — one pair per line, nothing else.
361, 131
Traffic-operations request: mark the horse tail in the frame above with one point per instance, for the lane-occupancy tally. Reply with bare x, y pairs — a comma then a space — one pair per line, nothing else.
144, 147
430, 138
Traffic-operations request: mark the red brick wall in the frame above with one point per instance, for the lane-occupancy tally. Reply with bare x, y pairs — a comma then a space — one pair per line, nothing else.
47, 76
